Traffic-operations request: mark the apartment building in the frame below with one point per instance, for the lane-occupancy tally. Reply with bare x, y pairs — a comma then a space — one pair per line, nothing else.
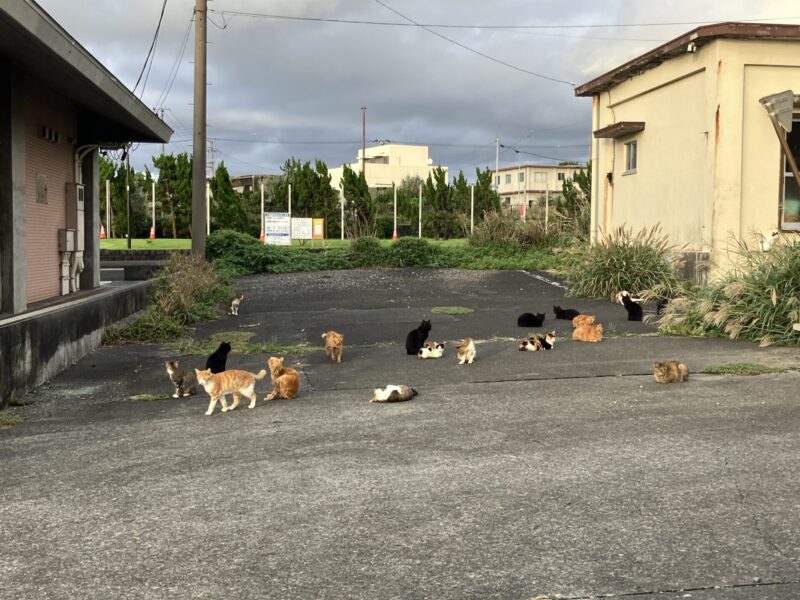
388, 164
531, 185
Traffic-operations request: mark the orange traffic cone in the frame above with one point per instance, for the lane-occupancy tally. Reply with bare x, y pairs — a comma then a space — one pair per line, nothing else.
102, 232
261, 237
152, 232
394, 234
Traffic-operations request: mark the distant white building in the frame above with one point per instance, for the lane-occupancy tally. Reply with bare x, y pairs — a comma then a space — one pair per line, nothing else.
532, 184
389, 164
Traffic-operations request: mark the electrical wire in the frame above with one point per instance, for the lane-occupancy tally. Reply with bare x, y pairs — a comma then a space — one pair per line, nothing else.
173, 72
151, 52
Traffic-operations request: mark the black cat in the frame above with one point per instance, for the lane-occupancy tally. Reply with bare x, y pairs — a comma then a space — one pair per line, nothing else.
216, 361
634, 309
530, 320
416, 337
567, 314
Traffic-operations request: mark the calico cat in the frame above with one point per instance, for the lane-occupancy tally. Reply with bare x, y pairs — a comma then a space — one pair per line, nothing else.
670, 371
216, 361
431, 350
185, 382
567, 314
466, 351
588, 333
634, 309
334, 343
285, 379
393, 393
537, 342
530, 320
233, 304
416, 337
583, 320
238, 383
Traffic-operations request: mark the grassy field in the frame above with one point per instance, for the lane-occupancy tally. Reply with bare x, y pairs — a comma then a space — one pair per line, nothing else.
186, 244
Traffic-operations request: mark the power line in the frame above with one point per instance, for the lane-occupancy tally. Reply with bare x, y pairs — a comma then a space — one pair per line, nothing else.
479, 53
151, 52
173, 72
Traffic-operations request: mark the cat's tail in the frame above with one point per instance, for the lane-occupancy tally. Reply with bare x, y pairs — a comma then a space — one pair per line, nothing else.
261, 374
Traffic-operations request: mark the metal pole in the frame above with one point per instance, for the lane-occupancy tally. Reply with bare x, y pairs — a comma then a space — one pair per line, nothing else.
128, 191
200, 213
341, 207
290, 214
394, 234
153, 226
419, 224
471, 209
547, 204
108, 209
208, 208
364, 140
261, 214
497, 164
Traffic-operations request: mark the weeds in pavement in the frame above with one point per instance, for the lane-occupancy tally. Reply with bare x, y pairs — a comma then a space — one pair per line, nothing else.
741, 369
452, 310
8, 420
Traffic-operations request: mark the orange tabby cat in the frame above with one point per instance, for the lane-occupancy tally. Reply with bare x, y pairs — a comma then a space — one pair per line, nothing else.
583, 320
238, 383
285, 379
588, 333
334, 342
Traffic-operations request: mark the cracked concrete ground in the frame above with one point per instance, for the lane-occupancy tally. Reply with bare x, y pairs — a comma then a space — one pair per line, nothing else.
570, 473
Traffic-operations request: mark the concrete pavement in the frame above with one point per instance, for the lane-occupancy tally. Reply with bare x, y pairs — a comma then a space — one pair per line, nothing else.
569, 473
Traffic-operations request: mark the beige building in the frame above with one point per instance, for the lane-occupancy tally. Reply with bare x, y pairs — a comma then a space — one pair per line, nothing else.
681, 140
531, 185
389, 164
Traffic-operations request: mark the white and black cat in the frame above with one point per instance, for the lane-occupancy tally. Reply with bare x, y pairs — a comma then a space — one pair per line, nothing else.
185, 382
216, 361
393, 393
634, 309
530, 320
416, 338
233, 304
431, 350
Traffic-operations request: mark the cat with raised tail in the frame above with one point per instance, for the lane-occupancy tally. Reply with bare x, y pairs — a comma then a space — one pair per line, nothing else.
233, 304
334, 343
416, 337
431, 350
566, 314
633, 308
466, 351
671, 371
530, 320
238, 383
393, 393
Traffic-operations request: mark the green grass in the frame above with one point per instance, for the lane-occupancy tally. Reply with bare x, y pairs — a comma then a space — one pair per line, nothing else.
146, 244
240, 342
9, 420
149, 397
452, 310
741, 369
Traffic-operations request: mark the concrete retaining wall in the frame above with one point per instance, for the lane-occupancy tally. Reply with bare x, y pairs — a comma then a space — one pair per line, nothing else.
37, 345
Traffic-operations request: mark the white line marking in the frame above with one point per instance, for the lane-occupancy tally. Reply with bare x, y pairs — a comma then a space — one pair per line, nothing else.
545, 279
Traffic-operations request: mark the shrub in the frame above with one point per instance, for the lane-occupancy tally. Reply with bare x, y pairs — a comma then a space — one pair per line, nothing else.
241, 252
758, 300
622, 261
411, 252
367, 252
507, 227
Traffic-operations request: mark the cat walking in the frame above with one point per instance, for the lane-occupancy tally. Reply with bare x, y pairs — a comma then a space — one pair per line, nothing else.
233, 304
185, 382
671, 371
416, 338
393, 393
217, 360
334, 343
286, 381
238, 383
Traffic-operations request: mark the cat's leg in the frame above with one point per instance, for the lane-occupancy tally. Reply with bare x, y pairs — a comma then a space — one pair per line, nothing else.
177, 392
339, 355
272, 395
211, 405
236, 399
252, 396
223, 400
471, 358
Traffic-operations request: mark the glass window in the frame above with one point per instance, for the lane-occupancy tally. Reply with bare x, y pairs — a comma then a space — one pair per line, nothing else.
630, 156
497, 180
521, 177
540, 177
560, 176
508, 177
790, 219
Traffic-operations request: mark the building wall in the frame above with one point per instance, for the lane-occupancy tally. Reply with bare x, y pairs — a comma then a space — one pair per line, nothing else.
53, 161
397, 162
530, 190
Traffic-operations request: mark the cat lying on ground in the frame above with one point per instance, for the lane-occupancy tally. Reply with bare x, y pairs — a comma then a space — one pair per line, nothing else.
238, 383
393, 393
537, 342
431, 350
185, 382
588, 333
670, 372
583, 320
416, 337
567, 314
530, 320
334, 344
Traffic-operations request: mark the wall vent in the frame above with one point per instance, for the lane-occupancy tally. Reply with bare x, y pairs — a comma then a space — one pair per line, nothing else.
49, 135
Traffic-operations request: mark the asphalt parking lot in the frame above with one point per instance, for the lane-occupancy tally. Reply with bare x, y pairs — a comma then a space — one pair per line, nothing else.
569, 473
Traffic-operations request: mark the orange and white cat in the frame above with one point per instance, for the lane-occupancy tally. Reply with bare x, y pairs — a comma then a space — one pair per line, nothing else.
588, 333
466, 351
334, 343
285, 379
238, 383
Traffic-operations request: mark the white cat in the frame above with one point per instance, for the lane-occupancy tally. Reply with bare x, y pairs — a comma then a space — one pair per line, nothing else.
431, 350
233, 305
466, 351
393, 393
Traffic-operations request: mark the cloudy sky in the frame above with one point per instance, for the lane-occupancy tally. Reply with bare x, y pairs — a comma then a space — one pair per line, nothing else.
288, 78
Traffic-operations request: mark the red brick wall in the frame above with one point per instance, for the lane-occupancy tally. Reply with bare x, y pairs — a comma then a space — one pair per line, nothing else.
43, 107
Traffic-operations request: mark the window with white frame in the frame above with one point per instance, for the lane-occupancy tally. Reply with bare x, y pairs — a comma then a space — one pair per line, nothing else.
521, 177
508, 177
790, 216
540, 177
561, 176
631, 152
497, 180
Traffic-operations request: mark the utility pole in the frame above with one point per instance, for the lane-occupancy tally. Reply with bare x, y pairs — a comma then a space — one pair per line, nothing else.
496, 181
364, 141
199, 219
128, 191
